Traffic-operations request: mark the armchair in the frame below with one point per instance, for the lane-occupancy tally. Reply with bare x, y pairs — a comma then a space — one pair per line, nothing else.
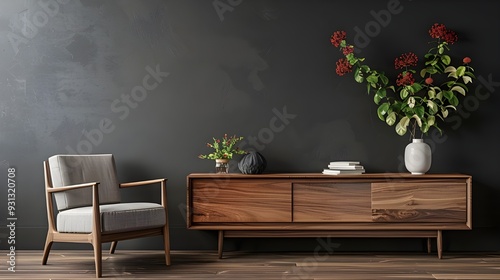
89, 207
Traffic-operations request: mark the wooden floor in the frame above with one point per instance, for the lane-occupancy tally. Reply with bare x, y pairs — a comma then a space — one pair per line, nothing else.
242, 266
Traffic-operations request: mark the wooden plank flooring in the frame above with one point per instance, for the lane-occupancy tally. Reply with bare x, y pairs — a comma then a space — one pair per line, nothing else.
250, 265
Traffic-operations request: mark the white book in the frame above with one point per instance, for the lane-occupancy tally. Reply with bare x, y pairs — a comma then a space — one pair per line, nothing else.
337, 172
359, 171
345, 167
345, 163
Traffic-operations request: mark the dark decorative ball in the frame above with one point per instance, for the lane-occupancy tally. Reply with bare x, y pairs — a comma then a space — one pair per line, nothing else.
252, 163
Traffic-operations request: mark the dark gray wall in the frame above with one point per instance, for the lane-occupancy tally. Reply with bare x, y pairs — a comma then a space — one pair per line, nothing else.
72, 67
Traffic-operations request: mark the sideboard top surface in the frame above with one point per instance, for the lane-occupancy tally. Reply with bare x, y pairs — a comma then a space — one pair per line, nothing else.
324, 176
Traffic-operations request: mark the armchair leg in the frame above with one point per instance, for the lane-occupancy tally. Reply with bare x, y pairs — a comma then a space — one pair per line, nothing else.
46, 249
166, 244
113, 247
98, 259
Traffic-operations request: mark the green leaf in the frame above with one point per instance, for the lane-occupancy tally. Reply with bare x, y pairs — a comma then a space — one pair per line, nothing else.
461, 71
404, 93
450, 83
402, 126
351, 59
445, 113
350, 56
391, 119
433, 108
437, 89
467, 79
440, 50
416, 87
432, 93
439, 96
398, 105
358, 75
450, 69
432, 71
372, 79
462, 85
451, 106
365, 68
446, 59
423, 72
470, 74
453, 100
382, 92
382, 110
384, 79
379, 95
448, 94
425, 127
431, 120
376, 98
419, 111
459, 89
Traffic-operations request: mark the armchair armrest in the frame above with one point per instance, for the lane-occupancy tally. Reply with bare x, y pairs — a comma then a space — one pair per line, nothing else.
163, 186
72, 187
96, 218
142, 183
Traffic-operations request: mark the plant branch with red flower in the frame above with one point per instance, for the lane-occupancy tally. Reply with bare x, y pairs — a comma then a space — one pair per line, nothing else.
421, 103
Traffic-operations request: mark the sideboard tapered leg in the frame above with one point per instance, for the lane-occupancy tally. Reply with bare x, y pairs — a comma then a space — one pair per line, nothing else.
221, 243
440, 244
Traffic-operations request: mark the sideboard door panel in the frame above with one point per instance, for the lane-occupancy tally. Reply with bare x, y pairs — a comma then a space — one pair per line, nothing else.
331, 202
242, 201
443, 202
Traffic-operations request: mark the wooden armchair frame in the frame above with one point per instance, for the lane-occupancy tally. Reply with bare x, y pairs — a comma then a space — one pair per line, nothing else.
96, 237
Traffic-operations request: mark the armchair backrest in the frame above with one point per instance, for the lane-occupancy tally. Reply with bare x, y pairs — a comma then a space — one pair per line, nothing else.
78, 169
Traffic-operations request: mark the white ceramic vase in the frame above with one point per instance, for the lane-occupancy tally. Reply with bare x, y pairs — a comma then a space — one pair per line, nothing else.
418, 157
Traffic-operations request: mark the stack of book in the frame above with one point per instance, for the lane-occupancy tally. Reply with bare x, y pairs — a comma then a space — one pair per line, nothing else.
344, 167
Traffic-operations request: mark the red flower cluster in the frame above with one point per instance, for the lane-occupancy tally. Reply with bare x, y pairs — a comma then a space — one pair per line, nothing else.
405, 60
347, 50
337, 37
343, 67
439, 31
405, 80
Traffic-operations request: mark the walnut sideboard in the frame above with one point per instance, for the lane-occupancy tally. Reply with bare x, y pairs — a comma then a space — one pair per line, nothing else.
317, 205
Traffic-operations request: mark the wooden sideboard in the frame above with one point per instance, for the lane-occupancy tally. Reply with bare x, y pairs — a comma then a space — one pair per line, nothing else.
317, 205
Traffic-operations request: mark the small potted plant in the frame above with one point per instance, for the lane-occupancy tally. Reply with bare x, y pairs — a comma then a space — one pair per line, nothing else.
224, 149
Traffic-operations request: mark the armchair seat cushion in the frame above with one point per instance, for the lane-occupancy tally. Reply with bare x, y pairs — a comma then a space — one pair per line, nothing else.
117, 217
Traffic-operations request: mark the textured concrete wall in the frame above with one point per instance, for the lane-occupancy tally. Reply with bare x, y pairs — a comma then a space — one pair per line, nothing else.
153, 81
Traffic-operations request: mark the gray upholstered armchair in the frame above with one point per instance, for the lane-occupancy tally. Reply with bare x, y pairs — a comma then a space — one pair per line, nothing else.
87, 196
